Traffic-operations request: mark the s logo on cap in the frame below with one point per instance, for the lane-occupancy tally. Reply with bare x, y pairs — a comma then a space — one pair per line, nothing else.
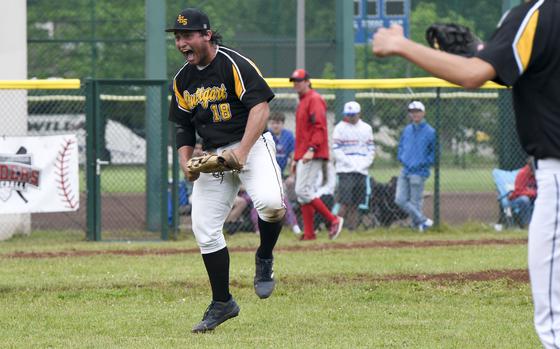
181, 19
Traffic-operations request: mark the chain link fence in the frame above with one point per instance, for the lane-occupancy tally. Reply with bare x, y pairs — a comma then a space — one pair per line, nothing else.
475, 135
38, 112
132, 157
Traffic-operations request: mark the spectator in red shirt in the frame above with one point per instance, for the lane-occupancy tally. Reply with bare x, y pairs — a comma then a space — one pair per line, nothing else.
524, 193
312, 150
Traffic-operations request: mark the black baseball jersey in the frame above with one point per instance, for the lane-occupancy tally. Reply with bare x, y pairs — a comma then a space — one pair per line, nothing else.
525, 52
215, 101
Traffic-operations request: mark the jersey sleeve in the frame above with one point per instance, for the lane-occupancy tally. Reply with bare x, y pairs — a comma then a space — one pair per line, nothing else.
250, 86
318, 122
184, 135
178, 107
184, 128
511, 48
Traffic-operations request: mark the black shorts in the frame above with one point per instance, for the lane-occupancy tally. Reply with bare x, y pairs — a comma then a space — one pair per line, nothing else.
352, 189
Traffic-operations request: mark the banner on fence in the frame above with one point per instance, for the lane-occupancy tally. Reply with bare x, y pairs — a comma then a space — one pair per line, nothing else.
39, 174
121, 143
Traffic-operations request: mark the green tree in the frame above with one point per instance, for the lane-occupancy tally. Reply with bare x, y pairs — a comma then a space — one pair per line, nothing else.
105, 38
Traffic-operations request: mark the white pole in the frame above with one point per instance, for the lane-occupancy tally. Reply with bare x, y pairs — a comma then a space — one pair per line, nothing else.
13, 103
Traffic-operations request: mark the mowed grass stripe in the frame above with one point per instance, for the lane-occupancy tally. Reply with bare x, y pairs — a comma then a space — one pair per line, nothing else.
393, 314
513, 275
132, 271
300, 248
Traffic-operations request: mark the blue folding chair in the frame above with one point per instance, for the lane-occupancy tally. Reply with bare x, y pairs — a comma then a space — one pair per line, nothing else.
505, 183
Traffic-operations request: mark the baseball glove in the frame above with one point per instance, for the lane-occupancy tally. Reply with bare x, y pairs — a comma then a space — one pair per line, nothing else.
214, 163
453, 38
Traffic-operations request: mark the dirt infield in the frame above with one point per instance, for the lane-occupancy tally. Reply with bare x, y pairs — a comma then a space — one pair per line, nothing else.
128, 212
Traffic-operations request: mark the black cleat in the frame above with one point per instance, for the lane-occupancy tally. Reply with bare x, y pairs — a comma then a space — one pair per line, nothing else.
216, 313
264, 277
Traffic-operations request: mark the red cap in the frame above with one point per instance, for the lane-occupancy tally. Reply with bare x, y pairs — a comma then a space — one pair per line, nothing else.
299, 75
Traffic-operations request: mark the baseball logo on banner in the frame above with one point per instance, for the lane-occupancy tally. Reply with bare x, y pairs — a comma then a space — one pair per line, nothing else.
39, 174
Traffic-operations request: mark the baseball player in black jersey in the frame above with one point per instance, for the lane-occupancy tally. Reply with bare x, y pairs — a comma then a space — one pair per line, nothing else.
222, 96
524, 52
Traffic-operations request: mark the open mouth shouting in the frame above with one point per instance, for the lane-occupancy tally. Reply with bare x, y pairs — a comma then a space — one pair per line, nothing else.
189, 55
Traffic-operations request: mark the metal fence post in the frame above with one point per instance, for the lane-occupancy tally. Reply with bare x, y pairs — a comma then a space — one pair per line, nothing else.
175, 186
437, 160
510, 153
164, 165
345, 55
92, 175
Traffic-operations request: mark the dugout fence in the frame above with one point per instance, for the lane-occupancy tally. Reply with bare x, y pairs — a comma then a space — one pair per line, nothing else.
125, 124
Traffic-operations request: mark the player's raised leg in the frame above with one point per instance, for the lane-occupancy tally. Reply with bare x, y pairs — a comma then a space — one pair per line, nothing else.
265, 189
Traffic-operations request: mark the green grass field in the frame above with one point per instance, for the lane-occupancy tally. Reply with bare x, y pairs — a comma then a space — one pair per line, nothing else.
328, 296
132, 179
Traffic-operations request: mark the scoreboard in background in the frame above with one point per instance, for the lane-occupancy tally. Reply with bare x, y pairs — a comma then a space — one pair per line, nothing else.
369, 15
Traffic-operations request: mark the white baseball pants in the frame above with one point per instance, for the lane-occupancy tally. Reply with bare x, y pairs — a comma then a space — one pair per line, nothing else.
544, 253
213, 196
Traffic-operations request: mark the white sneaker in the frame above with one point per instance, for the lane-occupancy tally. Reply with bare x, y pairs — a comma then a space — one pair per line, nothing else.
296, 229
428, 223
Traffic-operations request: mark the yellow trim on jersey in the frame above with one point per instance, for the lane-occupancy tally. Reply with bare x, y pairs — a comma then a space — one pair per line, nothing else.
254, 66
239, 90
180, 100
524, 45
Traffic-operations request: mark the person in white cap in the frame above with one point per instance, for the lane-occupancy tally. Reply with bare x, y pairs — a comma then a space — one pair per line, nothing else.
416, 153
353, 151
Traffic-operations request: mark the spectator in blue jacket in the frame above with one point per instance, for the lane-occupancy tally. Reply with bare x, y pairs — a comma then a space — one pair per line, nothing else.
416, 153
284, 139
285, 143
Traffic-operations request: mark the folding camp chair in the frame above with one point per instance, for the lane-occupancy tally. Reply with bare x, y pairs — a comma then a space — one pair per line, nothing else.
383, 200
365, 214
505, 183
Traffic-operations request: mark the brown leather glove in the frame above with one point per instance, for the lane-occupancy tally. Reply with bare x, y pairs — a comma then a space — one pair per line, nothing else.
214, 163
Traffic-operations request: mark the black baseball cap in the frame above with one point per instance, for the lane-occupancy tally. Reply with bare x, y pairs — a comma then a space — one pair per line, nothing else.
190, 19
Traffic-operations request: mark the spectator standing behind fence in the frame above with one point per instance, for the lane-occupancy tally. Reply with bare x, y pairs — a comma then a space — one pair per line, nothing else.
353, 152
524, 193
416, 153
284, 139
524, 53
312, 149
